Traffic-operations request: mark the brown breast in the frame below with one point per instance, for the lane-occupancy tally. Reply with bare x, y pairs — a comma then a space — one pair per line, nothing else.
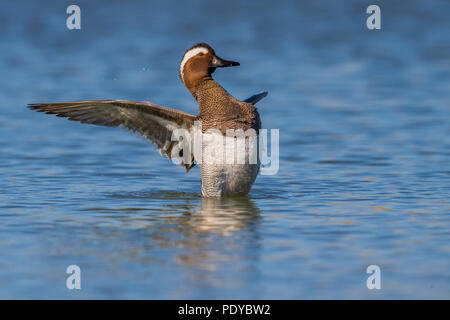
220, 110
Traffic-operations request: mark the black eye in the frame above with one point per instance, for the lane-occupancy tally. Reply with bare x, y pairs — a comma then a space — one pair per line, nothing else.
201, 54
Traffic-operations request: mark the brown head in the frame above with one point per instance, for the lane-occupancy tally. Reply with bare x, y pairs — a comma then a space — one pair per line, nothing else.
198, 63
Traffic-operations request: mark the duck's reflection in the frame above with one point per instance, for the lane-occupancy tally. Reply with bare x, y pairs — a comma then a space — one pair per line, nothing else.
194, 233
223, 215
215, 234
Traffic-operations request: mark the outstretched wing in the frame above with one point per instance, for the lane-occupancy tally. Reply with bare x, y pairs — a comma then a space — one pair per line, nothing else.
154, 122
256, 97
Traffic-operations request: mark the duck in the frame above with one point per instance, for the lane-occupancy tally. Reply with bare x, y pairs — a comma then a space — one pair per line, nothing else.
201, 140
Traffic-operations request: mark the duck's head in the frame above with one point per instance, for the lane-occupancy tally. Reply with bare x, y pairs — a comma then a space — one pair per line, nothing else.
198, 63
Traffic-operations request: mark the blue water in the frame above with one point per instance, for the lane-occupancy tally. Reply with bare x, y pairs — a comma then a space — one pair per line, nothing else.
364, 119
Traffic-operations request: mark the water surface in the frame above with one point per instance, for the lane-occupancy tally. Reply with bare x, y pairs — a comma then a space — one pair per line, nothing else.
364, 123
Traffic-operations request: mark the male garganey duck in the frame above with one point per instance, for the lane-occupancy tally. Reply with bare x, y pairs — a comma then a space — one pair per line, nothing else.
218, 112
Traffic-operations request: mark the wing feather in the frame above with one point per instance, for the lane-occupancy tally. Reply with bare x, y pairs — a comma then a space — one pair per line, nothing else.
256, 97
156, 123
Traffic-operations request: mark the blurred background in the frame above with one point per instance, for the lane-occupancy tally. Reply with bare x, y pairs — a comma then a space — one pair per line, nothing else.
364, 119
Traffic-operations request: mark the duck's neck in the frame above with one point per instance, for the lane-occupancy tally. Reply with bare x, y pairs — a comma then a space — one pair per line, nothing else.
213, 100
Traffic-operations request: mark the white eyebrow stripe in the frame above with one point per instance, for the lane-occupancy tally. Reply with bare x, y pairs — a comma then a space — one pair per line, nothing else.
190, 54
